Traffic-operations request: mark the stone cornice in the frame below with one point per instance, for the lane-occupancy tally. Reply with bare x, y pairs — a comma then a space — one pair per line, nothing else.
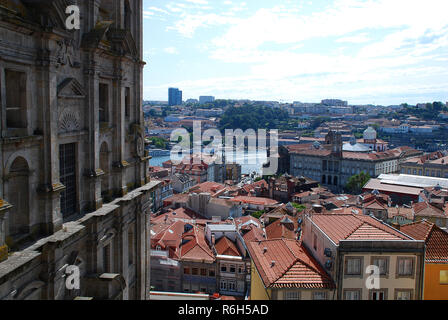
53, 188
94, 173
4, 205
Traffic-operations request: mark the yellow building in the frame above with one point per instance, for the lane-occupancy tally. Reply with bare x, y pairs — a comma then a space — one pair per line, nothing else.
349, 246
436, 258
431, 165
282, 269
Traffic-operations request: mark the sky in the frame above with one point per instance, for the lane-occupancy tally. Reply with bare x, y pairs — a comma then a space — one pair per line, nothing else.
379, 52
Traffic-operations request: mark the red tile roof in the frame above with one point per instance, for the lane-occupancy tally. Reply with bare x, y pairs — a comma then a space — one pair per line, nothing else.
436, 240
254, 200
196, 249
253, 234
208, 187
287, 264
375, 204
176, 198
168, 237
407, 213
282, 228
355, 227
251, 187
425, 209
171, 215
225, 246
346, 210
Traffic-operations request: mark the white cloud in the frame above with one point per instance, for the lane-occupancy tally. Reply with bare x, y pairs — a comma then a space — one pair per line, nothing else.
171, 50
360, 38
198, 1
397, 44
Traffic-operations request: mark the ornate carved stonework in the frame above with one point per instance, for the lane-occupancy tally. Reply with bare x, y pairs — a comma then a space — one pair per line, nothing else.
139, 146
69, 122
66, 53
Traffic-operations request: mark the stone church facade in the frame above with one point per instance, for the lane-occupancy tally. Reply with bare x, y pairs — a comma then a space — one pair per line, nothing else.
74, 184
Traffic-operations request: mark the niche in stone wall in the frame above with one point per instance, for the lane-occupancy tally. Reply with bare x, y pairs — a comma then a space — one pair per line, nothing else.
71, 99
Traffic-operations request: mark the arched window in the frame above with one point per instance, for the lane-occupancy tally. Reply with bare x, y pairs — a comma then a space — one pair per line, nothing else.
18, 196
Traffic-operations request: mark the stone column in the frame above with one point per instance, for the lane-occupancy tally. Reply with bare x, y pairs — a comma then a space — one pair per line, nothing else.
121, 132
92, 171
47, 97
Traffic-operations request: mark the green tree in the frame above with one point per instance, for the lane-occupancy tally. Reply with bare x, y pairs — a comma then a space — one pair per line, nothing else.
252, 116
299, 207
257, 214
357, 182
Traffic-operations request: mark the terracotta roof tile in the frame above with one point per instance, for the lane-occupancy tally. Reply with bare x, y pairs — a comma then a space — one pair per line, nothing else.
375, 204
225, 246
407, 213
287, 264
426, 209
209, 187
196, 249
254, 200
436, 240
360, 227
254, 234
282, 228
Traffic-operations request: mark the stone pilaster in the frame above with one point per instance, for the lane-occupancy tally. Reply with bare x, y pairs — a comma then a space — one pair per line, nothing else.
47, 97
121, 131
92, 164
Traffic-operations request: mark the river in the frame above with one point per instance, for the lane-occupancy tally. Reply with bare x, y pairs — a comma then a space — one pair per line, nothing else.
250, 160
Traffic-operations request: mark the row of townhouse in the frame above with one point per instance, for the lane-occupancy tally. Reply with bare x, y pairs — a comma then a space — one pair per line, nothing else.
333, 259
192, 255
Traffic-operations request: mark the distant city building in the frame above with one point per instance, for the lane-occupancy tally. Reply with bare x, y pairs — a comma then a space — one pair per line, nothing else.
206, 99
367, 144
332, 166
174, 118
340, 110
192, 101
174, 97
209, 112
430, 165
334, 102
303, 125
404, 188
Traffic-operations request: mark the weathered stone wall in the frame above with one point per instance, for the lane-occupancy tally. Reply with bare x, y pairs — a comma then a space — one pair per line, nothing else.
39, 271
57, 102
